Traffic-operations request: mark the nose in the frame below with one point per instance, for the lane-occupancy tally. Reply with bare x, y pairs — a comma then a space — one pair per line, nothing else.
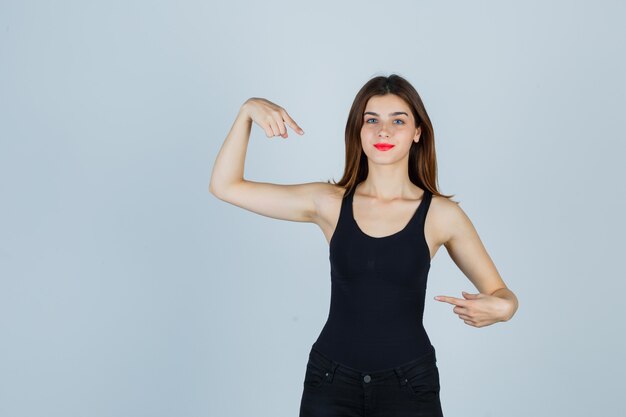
383, 132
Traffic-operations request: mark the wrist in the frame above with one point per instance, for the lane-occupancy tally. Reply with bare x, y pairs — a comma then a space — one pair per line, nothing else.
243, 112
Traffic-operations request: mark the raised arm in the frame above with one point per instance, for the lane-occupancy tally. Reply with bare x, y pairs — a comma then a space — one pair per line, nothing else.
297, 202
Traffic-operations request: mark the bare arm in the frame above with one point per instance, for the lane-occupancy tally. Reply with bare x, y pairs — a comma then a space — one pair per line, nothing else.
468, 252
495, 301
296, 202
229, 164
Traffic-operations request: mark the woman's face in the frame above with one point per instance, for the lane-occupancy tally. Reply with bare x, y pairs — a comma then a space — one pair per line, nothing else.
388, 120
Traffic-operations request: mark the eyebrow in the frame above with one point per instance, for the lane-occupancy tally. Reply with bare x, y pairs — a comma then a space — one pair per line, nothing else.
397, 113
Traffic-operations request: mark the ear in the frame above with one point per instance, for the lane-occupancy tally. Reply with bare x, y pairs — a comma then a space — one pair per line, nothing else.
418, 133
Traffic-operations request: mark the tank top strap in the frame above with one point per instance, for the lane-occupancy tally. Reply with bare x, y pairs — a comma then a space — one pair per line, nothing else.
345, 203
344, 215
424, 205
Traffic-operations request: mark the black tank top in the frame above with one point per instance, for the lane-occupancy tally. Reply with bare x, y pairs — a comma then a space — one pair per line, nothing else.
378, 289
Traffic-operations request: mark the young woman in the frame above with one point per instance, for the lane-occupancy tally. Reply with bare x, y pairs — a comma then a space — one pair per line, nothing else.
384, 221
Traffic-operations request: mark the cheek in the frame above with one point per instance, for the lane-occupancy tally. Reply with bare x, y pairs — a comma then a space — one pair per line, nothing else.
367, 133
364, 146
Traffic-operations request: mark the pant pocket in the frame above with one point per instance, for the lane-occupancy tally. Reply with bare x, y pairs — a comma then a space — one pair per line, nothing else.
424, 382
316, 375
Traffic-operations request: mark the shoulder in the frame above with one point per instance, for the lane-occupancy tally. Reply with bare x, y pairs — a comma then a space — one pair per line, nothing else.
327, 194
447, 217
324, 191
327, 198
444, 205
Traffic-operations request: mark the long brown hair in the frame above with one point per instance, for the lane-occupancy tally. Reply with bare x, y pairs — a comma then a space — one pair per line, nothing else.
422, 158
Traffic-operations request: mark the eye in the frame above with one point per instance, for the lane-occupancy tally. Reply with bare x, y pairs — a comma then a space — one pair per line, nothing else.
397, 120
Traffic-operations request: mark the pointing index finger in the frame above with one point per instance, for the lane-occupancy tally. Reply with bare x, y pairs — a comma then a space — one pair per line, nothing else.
292, 123
451, 300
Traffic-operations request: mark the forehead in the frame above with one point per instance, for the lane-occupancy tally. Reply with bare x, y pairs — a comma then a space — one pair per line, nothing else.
386, 104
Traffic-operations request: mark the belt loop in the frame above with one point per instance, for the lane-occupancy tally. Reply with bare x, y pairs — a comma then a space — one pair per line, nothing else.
400, 374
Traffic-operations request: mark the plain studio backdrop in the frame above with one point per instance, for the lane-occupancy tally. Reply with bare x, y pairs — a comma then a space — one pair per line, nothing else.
127, 289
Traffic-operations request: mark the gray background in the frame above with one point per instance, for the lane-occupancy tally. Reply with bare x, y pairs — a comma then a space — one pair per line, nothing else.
128, 290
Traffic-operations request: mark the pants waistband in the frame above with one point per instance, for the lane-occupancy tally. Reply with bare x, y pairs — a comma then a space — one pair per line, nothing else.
427, 359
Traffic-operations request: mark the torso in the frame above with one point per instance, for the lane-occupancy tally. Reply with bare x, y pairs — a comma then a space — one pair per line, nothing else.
378, 280
378, 226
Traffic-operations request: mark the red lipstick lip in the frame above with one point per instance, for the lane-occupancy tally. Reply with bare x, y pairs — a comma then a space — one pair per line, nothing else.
383, 146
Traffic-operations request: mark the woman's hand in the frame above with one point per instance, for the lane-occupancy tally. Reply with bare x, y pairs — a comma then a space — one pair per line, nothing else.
480, 310
271, 117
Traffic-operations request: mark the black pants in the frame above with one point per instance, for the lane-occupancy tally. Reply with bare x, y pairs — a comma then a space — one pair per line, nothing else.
334, 389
